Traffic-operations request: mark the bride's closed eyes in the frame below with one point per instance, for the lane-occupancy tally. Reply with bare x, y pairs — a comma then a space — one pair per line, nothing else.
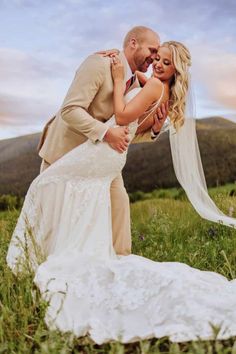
165, 61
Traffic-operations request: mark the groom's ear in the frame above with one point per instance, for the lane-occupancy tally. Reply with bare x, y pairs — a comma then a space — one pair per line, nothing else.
133, 43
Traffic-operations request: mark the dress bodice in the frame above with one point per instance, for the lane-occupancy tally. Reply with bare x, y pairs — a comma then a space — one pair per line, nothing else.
133, 126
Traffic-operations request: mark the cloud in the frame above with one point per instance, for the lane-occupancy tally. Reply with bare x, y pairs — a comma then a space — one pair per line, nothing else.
27, 75
33, 89
44, 42
17, 112
215, 70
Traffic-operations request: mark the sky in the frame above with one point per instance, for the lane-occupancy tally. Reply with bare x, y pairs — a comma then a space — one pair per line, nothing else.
42, 43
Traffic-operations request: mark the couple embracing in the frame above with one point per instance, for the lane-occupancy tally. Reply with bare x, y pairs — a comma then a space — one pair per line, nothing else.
74, 227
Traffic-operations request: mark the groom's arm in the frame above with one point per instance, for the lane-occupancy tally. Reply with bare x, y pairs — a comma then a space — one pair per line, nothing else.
74, 111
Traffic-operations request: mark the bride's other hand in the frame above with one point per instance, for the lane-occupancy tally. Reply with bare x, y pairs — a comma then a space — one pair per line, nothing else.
117, 69
160, 117
108, 52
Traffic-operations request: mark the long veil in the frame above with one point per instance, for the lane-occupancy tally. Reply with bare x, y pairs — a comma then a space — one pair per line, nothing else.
188, 167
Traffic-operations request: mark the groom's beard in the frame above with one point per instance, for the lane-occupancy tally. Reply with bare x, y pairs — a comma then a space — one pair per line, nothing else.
142, 63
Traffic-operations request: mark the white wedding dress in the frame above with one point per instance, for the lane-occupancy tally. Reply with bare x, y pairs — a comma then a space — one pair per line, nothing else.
66, 219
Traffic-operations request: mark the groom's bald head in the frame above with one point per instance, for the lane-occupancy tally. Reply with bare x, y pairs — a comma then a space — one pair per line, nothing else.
140, 47
141, 34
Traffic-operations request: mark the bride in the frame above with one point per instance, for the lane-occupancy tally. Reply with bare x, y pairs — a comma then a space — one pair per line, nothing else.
64, 235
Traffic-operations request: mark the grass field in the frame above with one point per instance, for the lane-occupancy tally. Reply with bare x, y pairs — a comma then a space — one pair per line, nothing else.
165, 228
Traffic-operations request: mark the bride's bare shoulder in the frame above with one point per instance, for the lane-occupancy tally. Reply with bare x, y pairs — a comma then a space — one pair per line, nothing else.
155, 85
155, 82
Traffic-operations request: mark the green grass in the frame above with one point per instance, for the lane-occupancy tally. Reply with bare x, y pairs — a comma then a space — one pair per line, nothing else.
165, 228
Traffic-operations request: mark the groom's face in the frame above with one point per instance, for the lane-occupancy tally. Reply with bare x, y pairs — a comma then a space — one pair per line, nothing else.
146, 52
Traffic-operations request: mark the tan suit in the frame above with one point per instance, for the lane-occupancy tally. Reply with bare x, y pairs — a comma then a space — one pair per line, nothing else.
87, 105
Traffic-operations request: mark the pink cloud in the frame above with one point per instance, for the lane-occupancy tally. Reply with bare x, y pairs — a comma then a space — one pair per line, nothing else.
216, 71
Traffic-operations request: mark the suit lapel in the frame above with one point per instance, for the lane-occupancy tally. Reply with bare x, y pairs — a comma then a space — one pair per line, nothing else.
128, 72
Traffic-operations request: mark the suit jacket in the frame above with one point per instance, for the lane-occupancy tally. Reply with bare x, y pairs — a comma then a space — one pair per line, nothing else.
87, 105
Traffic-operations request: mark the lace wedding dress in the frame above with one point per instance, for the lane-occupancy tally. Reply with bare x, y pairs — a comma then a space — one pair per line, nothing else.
64, 232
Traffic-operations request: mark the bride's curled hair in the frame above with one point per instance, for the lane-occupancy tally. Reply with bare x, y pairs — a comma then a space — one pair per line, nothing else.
181, 59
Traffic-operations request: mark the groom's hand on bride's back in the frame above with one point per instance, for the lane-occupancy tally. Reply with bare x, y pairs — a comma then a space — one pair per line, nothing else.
118, 138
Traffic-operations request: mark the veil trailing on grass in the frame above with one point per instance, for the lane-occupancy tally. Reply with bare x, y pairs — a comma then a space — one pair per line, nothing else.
188, 168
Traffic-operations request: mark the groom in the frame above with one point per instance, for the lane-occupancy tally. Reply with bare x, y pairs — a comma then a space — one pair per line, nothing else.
88, 104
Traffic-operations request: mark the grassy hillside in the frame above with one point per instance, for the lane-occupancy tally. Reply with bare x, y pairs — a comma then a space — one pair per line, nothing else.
149, 165
163, 229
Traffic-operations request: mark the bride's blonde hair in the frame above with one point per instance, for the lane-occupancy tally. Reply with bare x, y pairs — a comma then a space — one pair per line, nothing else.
181, 59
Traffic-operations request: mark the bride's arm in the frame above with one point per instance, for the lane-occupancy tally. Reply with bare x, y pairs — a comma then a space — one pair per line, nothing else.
142, 78
128, 112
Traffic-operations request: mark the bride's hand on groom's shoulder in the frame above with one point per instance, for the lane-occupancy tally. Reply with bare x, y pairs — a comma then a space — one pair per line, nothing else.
116, 64
108, 52
117, 69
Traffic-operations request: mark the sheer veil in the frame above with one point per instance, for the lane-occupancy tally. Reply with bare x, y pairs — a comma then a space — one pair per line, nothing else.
188, 167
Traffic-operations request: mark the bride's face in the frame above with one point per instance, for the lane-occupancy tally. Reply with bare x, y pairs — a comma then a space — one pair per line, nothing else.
163, 67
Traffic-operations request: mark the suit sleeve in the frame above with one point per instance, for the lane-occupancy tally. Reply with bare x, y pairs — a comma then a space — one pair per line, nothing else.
74, 111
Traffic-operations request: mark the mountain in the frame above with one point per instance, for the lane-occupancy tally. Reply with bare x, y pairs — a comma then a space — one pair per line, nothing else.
149, 165
19, 164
